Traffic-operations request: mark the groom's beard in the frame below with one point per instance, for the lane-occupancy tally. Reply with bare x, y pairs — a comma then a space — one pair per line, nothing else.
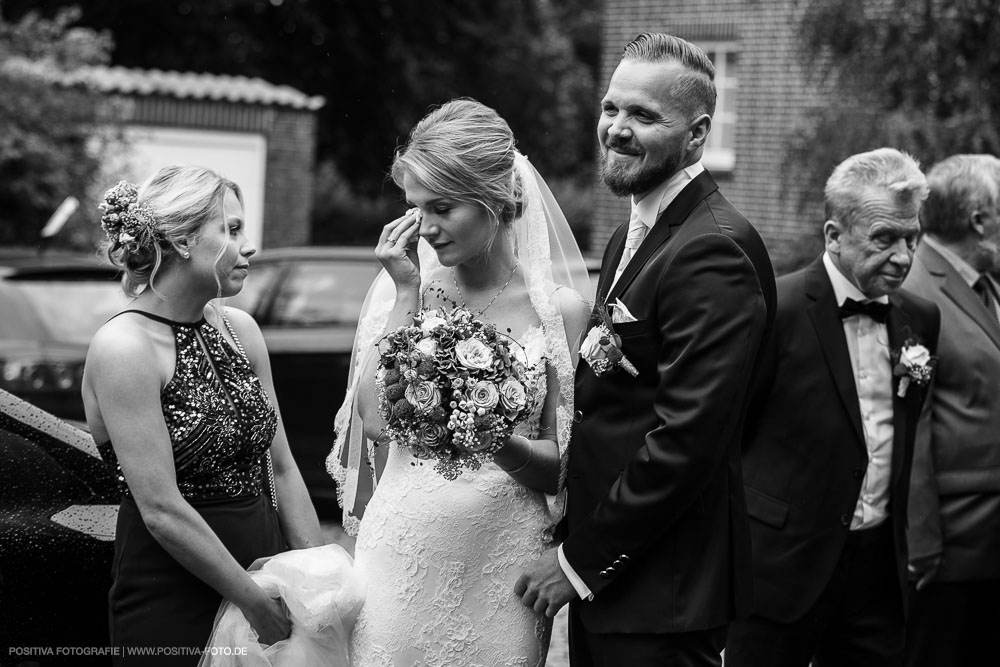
622, 183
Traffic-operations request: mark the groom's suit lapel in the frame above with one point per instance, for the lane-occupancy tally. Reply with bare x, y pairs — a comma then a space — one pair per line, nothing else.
675, 214
830, 332
615, 249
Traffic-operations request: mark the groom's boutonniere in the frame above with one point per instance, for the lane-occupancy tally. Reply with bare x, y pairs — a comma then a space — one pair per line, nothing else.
914, 364
602, 348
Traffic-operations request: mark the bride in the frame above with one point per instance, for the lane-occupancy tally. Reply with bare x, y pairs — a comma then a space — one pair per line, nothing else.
441, 557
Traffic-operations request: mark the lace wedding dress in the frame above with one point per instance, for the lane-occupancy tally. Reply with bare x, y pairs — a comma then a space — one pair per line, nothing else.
441, 559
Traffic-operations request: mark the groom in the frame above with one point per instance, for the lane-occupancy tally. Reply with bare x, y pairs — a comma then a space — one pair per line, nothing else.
657, 559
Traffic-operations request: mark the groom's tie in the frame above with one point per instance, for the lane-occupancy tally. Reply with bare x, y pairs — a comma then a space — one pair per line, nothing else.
636, 233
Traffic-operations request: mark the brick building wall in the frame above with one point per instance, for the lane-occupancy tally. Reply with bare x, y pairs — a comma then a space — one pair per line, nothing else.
772, 96
291, 143
291, 148
284, 117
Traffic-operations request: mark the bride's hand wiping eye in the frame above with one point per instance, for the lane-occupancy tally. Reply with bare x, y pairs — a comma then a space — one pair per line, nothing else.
397, 249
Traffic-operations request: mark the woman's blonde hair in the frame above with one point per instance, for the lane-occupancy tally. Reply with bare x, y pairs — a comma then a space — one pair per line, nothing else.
465, 151
182, 200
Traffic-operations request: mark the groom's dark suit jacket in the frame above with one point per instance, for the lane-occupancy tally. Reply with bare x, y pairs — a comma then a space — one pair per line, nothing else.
657, 523
805, 456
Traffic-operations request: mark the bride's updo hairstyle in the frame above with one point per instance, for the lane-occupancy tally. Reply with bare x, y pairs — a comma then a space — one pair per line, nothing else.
143, 223
464, 151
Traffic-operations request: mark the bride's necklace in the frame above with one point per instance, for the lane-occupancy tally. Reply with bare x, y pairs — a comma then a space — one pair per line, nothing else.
454, 279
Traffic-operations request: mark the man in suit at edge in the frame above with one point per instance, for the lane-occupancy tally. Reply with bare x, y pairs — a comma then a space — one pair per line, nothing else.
829, 439
954, 531
656, 561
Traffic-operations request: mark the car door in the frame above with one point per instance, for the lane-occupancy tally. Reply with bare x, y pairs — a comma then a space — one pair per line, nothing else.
309, 326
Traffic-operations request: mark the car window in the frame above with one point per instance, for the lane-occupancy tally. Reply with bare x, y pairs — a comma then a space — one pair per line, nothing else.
71, 311
19, 321
323, 293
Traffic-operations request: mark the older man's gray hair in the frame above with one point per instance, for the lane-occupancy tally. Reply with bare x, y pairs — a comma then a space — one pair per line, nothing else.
854, 181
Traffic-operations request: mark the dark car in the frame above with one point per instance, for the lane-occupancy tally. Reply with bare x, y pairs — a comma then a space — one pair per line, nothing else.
58, 506
307, 301
50, 307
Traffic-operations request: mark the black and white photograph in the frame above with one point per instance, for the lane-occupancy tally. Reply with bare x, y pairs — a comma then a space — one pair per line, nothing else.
471, 333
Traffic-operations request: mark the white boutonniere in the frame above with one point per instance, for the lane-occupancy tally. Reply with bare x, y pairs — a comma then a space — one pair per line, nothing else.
914, 365
602, 350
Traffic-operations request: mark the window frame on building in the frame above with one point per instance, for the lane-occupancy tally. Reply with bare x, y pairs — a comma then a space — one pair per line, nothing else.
720, 149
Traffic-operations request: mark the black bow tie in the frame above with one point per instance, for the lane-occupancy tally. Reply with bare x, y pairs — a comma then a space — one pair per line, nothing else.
873, 309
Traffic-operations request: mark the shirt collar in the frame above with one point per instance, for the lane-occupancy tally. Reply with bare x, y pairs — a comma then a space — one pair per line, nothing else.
660, 197
843, 288
964, 269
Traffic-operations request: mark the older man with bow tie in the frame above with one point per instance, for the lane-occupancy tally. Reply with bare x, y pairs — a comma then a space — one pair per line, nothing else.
830, 432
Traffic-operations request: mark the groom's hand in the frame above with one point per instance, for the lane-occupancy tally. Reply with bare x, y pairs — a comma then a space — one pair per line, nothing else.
543, 586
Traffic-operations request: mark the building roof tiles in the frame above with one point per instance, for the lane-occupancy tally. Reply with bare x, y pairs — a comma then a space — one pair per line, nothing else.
192, 85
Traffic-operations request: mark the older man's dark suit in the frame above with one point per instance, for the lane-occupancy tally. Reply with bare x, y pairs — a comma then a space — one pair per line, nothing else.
806, 457
657, 521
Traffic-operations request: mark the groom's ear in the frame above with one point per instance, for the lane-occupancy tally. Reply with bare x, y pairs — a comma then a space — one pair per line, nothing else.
700, 127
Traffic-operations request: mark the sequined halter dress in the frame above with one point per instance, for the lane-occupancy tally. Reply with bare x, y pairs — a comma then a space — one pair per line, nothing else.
221, 424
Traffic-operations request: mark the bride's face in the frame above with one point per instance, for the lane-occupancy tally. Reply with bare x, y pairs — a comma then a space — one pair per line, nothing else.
457, 231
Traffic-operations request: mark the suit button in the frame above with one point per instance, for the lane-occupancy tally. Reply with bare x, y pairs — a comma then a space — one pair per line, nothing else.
578, 416
604, 574
623, 558
845, 519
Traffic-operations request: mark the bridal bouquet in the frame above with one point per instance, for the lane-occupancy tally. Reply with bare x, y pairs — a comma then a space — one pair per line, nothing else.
452, 388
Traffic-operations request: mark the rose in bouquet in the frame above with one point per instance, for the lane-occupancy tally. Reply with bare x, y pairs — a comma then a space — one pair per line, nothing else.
452, 388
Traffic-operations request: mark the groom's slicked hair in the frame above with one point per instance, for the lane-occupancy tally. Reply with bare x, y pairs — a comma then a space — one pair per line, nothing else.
850, 187
695, 89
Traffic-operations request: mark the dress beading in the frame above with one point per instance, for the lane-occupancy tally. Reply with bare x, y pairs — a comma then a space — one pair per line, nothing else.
219, 417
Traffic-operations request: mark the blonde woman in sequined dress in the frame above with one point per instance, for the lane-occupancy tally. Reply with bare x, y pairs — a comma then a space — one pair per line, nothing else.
178, 391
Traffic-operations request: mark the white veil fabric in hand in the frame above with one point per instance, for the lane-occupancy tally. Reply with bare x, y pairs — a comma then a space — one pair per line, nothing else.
323, 595
552, 264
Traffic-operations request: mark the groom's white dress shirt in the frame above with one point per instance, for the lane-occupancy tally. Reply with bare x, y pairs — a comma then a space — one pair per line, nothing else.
868, 345
645, 212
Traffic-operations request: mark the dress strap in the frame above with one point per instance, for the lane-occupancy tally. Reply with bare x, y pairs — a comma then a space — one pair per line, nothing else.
243, 353
160, 319
232, 332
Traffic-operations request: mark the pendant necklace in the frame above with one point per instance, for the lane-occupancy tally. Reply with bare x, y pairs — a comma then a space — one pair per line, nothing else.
454, 279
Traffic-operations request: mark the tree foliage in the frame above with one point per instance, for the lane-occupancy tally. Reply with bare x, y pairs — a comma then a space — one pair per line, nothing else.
381, 65
47, 132
919, 75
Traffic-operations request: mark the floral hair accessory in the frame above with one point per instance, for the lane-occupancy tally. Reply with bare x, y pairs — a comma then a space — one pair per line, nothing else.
914, 365
127, 223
